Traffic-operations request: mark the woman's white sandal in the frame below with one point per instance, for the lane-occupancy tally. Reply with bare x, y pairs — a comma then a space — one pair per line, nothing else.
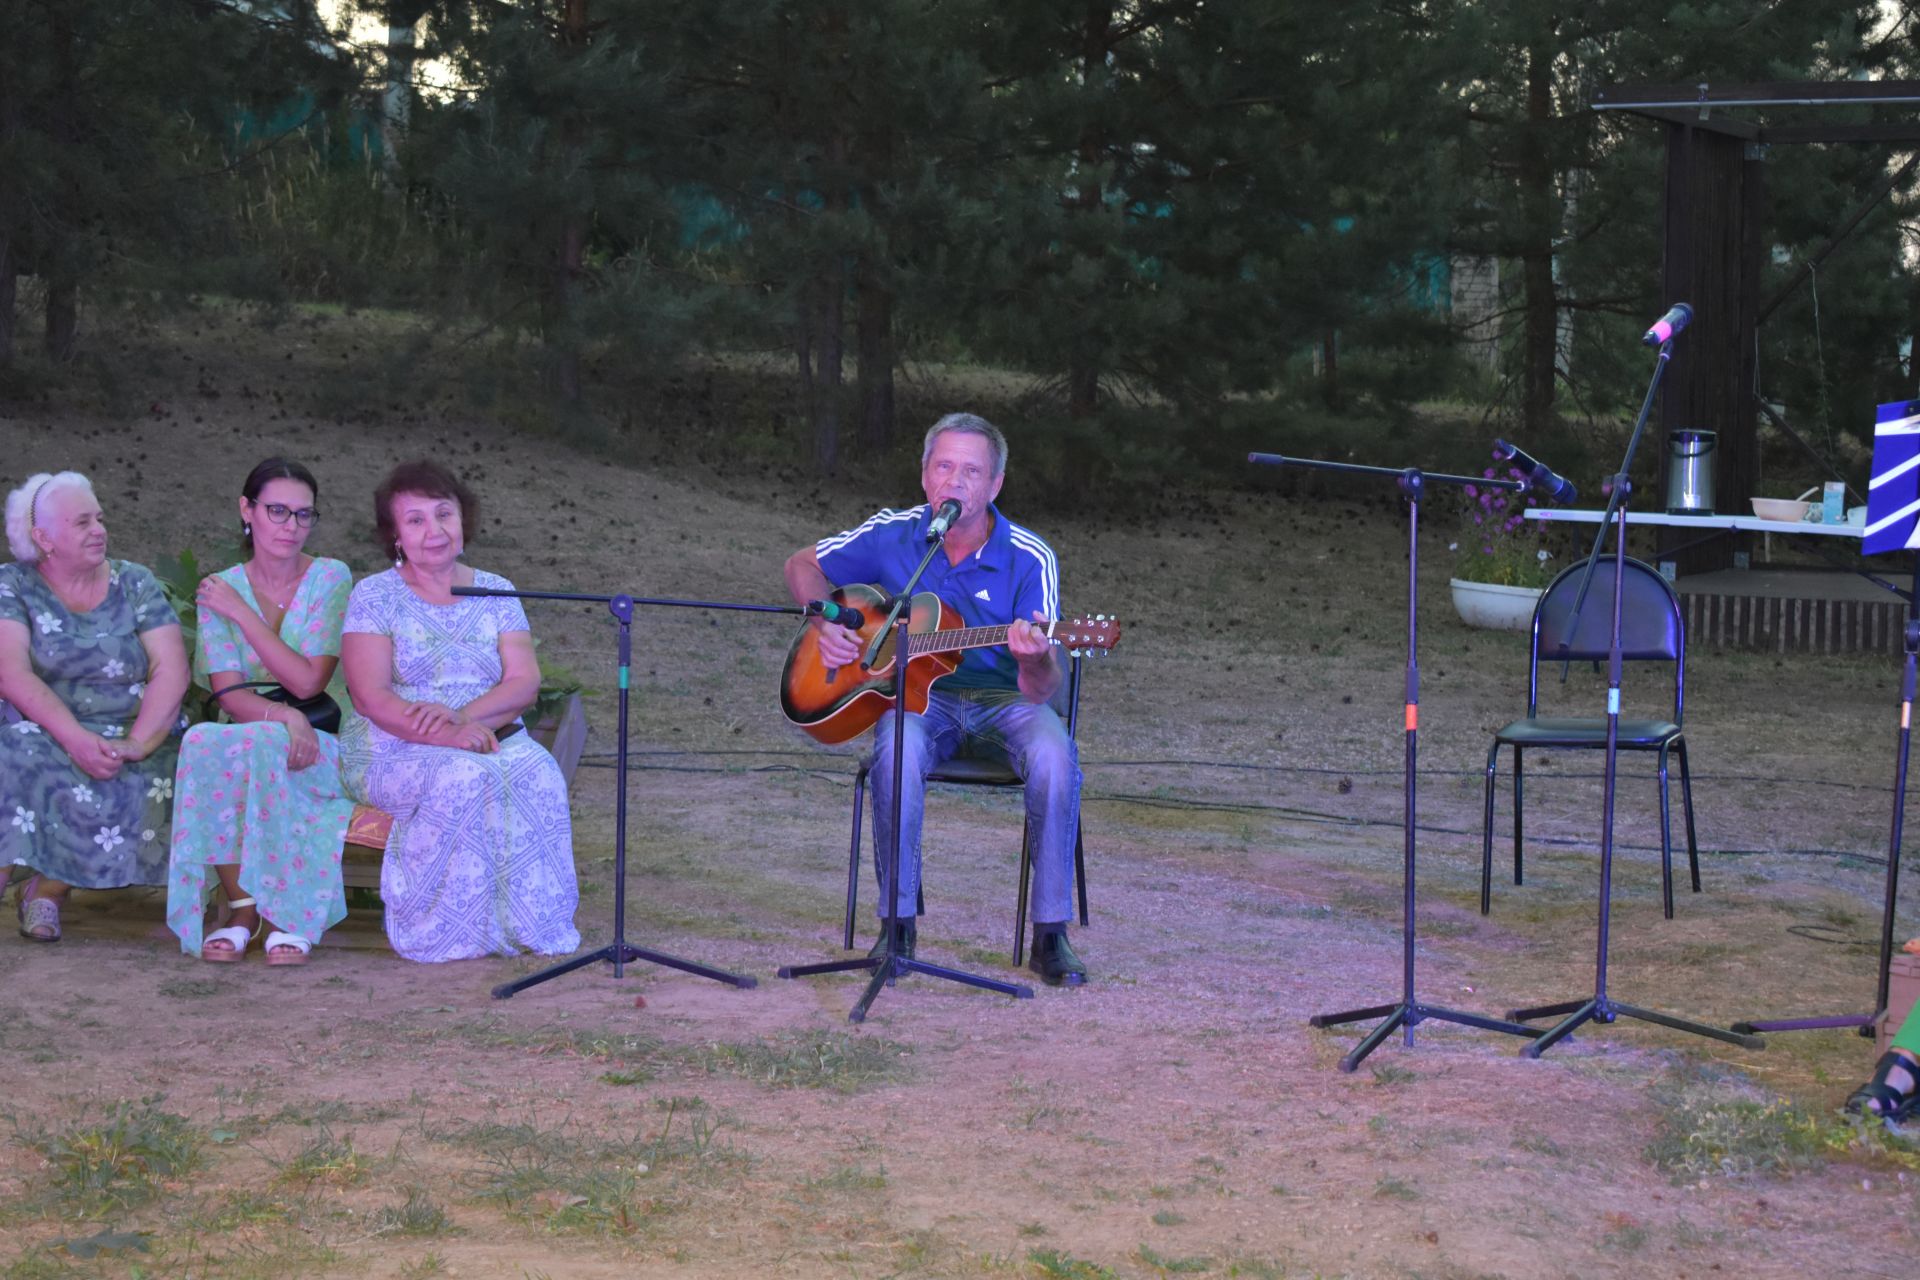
297, 955
236, 936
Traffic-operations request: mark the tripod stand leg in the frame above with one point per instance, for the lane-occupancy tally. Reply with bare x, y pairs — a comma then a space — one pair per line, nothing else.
1696, 1028
631, 953
507, 990
1352, 1015
1584, 1012
1375, 1038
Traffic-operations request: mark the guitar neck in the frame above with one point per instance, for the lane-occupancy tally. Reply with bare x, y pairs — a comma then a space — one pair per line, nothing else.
956, 639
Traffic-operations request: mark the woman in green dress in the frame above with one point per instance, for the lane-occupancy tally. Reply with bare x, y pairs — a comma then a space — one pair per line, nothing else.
258, 803
92, 662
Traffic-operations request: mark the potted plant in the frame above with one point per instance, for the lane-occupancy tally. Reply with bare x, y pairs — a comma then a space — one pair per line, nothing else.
558, 721
1500, 566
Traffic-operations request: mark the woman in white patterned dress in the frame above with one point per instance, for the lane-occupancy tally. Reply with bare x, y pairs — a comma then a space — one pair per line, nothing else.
480, 860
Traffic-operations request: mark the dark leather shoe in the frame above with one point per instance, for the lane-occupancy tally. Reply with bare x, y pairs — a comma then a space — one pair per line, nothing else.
1053, 959
903, 940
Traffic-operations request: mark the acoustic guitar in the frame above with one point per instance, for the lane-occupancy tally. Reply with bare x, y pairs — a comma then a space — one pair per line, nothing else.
837, 703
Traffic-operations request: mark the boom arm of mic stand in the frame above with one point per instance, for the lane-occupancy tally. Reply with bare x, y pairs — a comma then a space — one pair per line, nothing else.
900, 601
1616, 504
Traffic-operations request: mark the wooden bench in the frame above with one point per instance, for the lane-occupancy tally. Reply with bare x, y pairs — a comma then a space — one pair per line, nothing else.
366, 844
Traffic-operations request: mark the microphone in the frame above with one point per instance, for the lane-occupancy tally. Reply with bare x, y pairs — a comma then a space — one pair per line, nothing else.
851, 619
1542, 477
943, 520
1668, 326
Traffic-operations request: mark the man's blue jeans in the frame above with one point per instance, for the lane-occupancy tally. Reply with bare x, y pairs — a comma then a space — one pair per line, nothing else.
989, 722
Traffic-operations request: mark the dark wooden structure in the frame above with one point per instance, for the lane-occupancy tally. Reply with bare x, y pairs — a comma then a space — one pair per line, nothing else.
1715, 251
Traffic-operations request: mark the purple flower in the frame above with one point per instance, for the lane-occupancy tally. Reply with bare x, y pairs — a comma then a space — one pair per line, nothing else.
1473, 491
1499, 504
1487, 550
1478, 518
1488, 473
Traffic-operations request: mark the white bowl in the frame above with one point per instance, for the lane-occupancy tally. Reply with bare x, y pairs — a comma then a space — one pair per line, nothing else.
1786, 510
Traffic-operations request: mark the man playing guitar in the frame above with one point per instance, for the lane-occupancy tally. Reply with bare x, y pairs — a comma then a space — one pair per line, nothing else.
993, 573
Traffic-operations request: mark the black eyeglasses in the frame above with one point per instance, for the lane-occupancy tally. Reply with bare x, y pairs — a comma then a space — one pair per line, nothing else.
280, 513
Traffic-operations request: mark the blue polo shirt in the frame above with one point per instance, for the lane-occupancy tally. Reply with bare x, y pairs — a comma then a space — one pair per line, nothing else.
1011, 575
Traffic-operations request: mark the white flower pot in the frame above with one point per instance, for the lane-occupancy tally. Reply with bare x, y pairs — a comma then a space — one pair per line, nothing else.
1494, 606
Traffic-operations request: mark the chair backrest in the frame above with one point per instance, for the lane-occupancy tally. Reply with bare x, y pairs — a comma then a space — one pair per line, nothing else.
1652, 627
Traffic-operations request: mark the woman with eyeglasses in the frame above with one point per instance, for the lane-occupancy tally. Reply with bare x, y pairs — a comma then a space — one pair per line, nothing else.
258, 804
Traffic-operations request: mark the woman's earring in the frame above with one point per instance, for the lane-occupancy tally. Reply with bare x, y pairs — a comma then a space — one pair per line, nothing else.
246, 528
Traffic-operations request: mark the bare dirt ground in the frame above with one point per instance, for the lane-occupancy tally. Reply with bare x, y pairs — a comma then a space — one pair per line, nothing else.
367, 1117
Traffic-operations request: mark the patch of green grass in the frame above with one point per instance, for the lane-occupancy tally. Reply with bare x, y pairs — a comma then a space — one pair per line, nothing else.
816, 1060
192, 988
849, 1178
1720, 1126
1064, 1266
574, 1179
432, 1264
1168, 1218
328, 1160
121, 1161
417, 1216
1171, 1266
1395, 1189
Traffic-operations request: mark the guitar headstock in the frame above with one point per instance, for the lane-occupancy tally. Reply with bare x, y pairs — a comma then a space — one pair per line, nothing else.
1085, 636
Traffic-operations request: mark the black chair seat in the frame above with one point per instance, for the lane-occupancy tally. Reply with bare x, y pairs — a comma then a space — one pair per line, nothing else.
971, 771
1588, 732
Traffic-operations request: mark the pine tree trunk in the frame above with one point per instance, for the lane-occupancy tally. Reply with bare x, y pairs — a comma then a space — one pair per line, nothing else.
1083, 368
9, 274
829, 382
1540, 333
874, 326
1330, 368
570, 240
59, 270
63, 312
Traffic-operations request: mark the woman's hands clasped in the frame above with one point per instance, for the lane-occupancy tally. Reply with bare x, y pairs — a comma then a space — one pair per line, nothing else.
442, 726
96, 757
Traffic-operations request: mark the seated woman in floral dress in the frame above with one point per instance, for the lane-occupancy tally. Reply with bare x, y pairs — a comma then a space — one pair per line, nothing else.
92, 660
480, 859
258, 803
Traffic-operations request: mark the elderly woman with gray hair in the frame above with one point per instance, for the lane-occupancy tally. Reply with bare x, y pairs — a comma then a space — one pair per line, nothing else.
92, 661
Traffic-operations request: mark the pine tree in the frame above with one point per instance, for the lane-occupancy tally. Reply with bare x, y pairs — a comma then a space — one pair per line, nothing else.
106, 110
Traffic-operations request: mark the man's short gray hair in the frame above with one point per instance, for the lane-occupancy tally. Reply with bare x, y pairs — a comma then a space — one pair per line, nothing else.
970, 424
27, 507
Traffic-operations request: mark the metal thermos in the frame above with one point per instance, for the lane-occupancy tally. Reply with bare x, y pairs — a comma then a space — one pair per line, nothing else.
1690, 473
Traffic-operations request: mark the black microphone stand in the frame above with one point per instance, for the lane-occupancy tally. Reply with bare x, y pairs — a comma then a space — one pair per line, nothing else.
1409, 1011
888, 964
620, 952
1867, 1022
1600, 1007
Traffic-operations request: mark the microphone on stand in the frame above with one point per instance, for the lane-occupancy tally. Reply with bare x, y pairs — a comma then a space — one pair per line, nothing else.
850, 618
1668, 326
1543, 478
943, 520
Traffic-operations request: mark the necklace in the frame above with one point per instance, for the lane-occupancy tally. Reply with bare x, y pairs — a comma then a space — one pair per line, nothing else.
260, 588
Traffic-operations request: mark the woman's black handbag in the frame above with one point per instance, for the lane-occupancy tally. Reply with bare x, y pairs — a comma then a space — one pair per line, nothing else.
321, 711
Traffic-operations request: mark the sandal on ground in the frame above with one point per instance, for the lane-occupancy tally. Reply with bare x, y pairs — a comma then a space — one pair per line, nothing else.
39, 917
1878, 1097
275, 950
236, 936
